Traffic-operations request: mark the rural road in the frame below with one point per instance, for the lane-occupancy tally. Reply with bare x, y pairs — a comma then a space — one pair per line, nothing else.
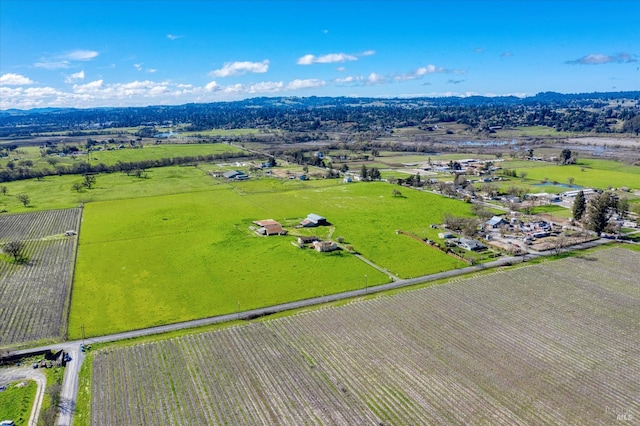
69, 391
70, 385
14, 374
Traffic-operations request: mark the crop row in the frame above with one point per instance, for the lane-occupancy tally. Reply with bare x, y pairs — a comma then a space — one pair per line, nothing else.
554, 343
37, 225
34, 294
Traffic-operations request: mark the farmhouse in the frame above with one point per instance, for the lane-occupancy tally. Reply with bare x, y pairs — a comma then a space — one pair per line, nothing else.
445, 235
269, 227
325, 246
471, 245
313, 220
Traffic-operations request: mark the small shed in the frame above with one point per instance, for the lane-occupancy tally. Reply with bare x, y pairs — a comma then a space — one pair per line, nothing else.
323, 246
307, 240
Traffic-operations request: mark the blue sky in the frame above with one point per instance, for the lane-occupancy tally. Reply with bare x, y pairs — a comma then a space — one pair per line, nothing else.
88, 53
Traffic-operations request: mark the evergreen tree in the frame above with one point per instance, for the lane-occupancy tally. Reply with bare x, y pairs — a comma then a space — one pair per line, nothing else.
579, 206
598, 212
363, 172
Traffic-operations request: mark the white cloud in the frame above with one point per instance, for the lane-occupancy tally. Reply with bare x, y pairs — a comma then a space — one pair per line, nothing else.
429, 69
349, 79
91, 87
80, 55
74, 77
599, 59
240, 68
138, 67
326, 59
341, 69
64, 61
368, 53
426, 70
211, 87
506, 54
305, 84
151, 70
375, 78
266, 87
52, 64
174, 37
11, 79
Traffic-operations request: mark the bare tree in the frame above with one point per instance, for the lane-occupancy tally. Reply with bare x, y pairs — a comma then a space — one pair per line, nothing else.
24, 199
15, 249
3, 190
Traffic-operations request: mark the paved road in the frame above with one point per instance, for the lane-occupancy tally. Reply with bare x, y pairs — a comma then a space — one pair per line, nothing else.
14, 374
69, 391
70, 384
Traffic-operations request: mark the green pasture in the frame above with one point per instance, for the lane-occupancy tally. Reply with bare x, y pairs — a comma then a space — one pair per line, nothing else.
56, 192
157, 152
532, 131
156, 260
149, 152
588, 173
16, 402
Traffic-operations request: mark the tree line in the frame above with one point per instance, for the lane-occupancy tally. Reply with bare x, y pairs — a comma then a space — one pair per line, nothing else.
87, 168
587, 112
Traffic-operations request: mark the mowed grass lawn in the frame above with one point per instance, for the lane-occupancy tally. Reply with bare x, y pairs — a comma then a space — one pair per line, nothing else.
156, 260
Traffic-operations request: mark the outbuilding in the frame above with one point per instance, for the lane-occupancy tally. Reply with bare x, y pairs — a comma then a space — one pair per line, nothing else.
313, 220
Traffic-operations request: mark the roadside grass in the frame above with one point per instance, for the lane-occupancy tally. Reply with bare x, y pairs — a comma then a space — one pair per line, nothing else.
16, 401
54, 377
157, 260
82, 415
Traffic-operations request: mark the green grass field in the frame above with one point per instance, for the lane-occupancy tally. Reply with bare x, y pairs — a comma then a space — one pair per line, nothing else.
149, 152
16, 402
155, 260
55, 192
587, 173
156, 152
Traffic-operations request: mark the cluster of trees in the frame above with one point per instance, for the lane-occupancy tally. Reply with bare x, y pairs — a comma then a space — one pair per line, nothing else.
467, 226
596, 213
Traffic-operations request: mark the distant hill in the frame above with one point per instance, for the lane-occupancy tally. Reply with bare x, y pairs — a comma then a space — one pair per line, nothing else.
329, 113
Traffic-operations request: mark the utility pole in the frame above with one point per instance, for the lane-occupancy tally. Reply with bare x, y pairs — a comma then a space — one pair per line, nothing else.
82, 328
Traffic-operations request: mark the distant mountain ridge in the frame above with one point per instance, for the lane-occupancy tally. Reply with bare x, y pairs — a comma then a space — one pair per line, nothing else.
315, 101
